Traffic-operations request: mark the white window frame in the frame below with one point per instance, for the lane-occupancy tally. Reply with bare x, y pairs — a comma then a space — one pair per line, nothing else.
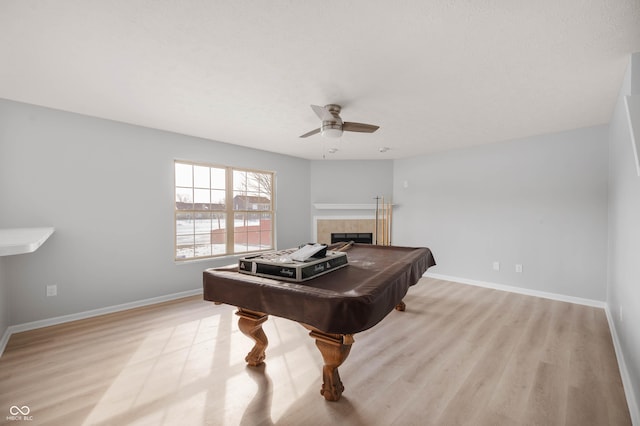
262, 187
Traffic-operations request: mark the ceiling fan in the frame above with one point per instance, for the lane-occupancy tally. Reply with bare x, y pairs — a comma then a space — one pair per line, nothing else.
333, 126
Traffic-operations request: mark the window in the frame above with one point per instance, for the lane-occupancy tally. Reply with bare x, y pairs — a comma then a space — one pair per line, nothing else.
222, 210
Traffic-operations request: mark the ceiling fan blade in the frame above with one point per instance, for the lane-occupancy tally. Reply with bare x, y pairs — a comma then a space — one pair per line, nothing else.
313, 132
359, 127
323, 113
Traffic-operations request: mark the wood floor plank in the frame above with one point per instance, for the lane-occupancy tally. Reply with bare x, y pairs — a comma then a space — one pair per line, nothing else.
459, 355
517, 380
547, 400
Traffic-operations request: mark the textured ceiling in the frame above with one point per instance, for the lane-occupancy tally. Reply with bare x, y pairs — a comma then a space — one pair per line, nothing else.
435, 75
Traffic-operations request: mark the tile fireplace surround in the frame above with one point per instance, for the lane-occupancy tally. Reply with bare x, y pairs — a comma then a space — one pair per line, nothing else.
325, 226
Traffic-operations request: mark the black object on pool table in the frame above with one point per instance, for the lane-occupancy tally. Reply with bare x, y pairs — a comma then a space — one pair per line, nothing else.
297, 265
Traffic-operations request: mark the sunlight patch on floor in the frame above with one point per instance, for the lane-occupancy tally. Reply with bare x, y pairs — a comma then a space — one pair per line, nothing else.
195, 373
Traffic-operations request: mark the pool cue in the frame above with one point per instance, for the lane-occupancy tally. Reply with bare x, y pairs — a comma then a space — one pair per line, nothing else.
382, 217
376, 240
345, 247
390, 216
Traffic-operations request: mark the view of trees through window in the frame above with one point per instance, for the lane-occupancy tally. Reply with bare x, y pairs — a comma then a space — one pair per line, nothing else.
221, 210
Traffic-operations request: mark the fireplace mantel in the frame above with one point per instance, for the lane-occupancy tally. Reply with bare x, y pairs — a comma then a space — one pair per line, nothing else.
336, 206
330, 206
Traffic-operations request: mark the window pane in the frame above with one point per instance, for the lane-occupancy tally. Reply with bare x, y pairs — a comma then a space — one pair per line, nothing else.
184, 224
201, 177
251, 201
203, 250
265, 221
184, 246
264, 202
240, 232
252, 231
258, 201
218, 178
266, 244
239, 201
239, 219
184, 174
265, 230
218, 200
184, 199
201, 239
184, 252
201, 199
185, 240
218, 220
239, 180
254, 219
202, 223
218, 231
240, 248
260, 182
218, 249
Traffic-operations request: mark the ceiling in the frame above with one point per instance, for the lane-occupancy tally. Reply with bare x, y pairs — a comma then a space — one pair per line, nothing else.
434, 75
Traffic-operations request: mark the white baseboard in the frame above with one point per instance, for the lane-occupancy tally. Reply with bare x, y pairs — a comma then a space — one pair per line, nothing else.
519, 290
92, 313
632, 401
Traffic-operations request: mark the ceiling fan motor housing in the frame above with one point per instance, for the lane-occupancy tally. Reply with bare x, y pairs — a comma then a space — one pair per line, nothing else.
334, 109
332, 128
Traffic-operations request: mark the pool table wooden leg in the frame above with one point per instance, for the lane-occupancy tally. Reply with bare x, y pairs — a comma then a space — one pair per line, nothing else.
250, 323
334, 349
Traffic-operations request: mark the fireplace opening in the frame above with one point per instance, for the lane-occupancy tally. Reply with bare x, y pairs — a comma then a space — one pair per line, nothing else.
356, 237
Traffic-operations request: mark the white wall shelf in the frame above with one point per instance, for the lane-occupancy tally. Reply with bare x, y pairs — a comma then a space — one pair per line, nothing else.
22, 240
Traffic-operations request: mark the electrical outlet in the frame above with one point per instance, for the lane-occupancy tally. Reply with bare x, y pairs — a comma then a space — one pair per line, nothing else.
496, 266
519, 268
52, 290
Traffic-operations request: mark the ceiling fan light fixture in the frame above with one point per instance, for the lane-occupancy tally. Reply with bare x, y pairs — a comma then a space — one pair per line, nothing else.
331, 130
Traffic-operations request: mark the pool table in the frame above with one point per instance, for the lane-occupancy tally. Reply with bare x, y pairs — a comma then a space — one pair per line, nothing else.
334, 306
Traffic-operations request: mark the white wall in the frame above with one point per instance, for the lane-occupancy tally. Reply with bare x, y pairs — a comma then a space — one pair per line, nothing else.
540, 202
107, 188
624, 236
350, 182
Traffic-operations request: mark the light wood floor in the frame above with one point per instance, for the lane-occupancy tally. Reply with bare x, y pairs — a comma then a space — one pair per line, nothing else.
458, 355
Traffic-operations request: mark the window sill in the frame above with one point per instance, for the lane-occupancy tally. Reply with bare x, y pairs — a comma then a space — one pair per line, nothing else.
222, 260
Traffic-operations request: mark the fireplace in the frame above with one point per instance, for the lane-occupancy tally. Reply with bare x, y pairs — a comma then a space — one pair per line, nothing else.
356, 237
374, 227
327, 226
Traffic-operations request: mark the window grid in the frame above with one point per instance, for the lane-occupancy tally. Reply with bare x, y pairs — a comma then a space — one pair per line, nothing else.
210, 200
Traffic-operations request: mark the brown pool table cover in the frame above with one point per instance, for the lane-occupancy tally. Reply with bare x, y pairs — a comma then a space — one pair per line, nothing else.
345, 301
